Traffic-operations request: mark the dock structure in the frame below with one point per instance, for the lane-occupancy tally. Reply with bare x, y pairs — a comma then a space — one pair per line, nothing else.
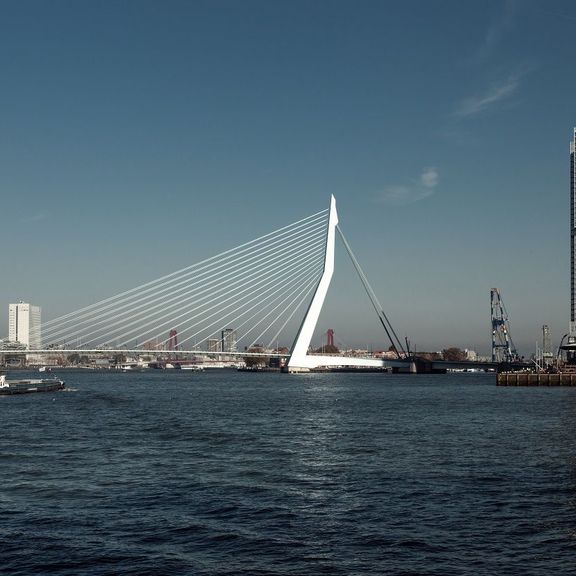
536, 379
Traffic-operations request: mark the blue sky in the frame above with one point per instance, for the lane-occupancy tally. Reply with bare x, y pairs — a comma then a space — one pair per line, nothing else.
139, 137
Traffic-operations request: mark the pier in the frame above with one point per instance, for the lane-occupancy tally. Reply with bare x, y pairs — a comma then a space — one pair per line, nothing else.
536, 379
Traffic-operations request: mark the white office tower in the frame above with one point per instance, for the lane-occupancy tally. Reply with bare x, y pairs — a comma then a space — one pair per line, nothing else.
24, 325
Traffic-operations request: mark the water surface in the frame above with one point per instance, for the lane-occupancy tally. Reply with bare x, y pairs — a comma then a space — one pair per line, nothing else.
226, 473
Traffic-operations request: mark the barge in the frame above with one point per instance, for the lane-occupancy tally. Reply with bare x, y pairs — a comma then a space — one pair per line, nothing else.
28, 386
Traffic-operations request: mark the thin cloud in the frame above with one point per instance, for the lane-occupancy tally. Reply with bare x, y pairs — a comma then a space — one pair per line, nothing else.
496, 31
34, 218
429, 177
557, 15
402, 195
475, 105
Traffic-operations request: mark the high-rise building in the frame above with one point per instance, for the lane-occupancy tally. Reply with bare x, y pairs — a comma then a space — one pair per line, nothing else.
213, 345
228, 340
547, 355
24, 322
573, 235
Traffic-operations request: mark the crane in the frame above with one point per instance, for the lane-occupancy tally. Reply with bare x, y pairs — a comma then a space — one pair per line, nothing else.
503, 349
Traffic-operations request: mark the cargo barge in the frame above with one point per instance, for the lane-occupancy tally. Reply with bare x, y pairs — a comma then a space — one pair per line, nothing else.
29, 386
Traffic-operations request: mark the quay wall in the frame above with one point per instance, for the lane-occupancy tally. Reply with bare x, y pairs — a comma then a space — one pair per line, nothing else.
529, 379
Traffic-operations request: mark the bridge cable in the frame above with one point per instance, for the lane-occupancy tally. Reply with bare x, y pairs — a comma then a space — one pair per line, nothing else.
396, 346
262, 282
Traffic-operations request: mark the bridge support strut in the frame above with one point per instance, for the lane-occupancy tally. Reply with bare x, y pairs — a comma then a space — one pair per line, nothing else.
300, 360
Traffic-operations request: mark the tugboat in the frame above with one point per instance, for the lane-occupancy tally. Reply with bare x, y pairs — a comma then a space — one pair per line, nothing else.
9, 387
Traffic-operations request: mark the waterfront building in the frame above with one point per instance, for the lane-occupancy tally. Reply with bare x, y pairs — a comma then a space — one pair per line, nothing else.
573, 237
229, 340
24, 324
471, 355
214, 345
568, 343
547, 354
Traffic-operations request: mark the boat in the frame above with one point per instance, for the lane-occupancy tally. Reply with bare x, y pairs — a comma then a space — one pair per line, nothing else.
193, 367
27, 386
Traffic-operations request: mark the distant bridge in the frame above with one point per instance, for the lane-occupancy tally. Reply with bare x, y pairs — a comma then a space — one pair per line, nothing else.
406, 365
244, 298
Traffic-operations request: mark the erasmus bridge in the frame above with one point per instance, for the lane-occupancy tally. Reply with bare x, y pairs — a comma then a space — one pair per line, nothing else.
262, 289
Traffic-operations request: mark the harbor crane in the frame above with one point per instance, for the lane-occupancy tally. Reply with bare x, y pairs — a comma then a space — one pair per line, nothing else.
503, 349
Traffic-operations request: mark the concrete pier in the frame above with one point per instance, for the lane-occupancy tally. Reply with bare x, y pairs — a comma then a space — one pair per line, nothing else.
530, 379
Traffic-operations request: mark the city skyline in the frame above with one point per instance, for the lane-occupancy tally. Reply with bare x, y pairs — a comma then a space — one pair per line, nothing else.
138, 138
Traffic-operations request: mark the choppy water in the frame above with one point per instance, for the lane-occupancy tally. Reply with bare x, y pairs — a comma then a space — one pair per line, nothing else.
225, 473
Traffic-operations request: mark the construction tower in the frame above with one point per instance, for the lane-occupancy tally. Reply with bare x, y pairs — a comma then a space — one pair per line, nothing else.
503, 349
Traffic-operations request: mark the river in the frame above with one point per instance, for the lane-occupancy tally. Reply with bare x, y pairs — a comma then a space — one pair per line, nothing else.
229, 473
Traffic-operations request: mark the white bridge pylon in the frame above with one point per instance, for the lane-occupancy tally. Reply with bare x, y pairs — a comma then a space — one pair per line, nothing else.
300, 360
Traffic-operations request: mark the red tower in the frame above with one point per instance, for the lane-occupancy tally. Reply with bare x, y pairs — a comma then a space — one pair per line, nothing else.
330, 337
173, 341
